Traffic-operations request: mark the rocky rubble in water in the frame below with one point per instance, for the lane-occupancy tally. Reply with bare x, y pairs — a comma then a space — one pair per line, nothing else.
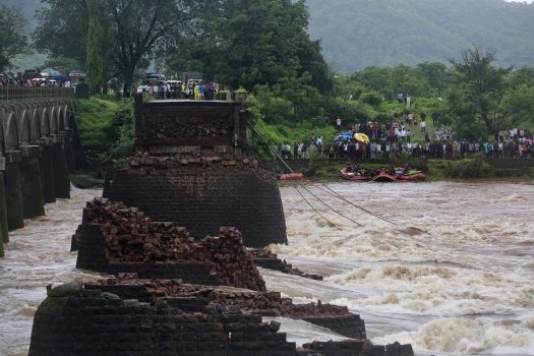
134, 238
266, 303
264, 254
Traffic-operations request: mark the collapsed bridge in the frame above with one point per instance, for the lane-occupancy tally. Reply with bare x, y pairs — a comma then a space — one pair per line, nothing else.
175, 229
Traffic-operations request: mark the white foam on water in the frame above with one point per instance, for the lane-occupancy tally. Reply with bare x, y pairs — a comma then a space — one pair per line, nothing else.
449, 254
478, 335
439, 290
301, 332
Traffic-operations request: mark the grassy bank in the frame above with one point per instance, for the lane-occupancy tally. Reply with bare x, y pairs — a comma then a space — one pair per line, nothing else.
437, 170
106, 129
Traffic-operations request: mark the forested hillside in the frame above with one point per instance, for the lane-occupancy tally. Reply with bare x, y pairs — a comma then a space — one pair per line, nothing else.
357, 34
360, 33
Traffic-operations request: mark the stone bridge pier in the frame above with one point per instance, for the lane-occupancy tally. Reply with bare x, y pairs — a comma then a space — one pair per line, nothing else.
36, 153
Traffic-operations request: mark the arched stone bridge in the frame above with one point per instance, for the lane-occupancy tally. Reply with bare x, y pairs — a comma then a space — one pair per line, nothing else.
37, 128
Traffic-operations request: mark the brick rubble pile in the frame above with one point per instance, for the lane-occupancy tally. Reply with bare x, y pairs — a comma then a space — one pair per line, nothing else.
268, 303
223, 162
134, 238
266, 254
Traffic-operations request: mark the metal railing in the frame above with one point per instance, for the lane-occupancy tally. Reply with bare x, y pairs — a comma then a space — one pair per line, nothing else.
10, 93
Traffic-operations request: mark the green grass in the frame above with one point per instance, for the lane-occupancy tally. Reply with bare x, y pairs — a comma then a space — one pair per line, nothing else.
93, 116
102, 122
437, 171
293, 132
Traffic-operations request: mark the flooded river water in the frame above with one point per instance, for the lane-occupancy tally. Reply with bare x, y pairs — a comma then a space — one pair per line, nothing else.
445, 266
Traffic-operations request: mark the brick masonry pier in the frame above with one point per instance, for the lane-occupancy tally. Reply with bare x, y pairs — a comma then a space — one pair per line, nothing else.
202, 194
191, 168
87, 320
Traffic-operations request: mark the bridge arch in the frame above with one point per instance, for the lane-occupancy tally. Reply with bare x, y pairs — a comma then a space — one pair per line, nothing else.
3, 117
52, 116
35, 125
10, 131
44, 120
65, 109
60, 118
70, 117
24, 127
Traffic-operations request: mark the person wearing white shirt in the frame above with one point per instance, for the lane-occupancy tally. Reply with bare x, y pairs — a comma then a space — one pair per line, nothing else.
423, 126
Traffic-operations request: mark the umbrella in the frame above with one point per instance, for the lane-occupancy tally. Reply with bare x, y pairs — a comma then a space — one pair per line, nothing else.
50, 72
61, 77
361, 137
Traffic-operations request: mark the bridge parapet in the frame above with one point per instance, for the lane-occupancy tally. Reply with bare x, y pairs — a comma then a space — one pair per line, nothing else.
14, 93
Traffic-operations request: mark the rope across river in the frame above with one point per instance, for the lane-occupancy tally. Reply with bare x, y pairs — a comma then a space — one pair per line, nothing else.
327, 189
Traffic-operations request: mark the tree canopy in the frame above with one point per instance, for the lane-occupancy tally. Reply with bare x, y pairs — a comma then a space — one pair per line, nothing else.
475, 97
135, 26
262, 47
12, 42
244, 43
98, 47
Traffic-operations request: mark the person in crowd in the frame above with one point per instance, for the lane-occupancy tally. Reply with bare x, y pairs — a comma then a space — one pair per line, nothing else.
319, 144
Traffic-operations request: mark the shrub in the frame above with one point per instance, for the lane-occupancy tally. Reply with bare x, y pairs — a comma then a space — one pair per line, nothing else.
372, 98
468, 168
106, 129
419, 164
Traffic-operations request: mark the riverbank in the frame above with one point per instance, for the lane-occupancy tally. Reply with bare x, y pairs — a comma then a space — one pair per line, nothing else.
435, 169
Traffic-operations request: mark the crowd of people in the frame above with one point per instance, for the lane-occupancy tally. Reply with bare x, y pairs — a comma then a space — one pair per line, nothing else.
192, 89
18, 80
395, 139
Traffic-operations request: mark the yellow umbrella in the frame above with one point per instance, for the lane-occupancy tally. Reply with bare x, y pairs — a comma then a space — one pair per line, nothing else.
361, 137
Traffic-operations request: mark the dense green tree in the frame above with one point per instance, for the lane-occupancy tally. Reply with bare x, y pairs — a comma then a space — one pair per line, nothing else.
262, 47
312, 63
437, 76
475, 95
348, 88
98, 48
138, 26
521, 76
63, 29
409, 81
12, 42
135, 25
518, 104
518, 101
390, 81
174, 55
377, 79
248, 43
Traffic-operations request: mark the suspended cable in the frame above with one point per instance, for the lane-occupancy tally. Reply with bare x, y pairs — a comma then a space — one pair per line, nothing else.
313, 208
336, 194
305, 188
329, 190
